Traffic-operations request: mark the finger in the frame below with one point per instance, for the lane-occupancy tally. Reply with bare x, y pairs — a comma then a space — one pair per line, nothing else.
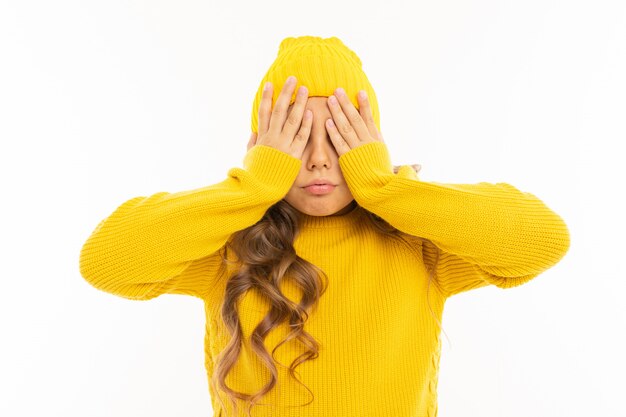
366, 114
265, 108
295, 114
252, 140
302, 137
353, 116
342, 125
336, 138
279, 113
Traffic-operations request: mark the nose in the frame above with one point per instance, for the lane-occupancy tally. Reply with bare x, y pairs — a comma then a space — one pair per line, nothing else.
319, 151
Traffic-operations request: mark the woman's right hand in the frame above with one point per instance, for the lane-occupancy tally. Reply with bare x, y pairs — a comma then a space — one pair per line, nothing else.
288, 132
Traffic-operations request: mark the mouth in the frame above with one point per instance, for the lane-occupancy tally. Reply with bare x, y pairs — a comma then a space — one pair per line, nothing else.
319, 189
320, 181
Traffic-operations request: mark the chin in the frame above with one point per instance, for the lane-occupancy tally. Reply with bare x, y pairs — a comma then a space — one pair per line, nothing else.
321, 208
325, 211
316, 211
320, 212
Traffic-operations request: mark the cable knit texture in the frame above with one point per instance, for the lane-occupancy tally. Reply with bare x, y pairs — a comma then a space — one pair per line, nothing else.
380, 342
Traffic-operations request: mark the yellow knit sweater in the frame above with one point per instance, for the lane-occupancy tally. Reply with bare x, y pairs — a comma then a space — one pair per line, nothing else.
380, 342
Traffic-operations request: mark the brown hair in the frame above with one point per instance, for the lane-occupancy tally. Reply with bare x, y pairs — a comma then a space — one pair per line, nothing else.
265, 256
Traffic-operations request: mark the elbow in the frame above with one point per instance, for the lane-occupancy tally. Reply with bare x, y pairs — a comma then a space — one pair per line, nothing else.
96, 270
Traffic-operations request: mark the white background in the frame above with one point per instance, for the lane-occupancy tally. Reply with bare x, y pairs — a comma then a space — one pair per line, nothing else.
104, 101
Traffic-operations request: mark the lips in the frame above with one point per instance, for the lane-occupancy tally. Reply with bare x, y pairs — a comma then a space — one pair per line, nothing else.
319, 189
319, 182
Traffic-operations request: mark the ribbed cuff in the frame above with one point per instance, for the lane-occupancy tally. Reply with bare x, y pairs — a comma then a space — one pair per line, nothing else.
272, 167
367, 167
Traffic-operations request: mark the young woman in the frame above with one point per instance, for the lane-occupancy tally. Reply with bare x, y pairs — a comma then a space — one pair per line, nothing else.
324, 268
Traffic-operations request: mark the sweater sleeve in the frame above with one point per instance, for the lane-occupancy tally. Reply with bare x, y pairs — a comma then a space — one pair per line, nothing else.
482, 233
164, 243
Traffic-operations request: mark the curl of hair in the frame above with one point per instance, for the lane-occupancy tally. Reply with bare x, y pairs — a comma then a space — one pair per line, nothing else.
265, 258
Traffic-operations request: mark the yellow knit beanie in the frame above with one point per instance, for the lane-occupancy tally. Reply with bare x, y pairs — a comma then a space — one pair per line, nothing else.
321, 65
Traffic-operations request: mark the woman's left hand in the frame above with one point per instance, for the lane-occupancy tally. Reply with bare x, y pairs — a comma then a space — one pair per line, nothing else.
350, 127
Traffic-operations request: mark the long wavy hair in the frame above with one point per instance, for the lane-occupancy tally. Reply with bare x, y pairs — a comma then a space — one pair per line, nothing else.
265, 257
